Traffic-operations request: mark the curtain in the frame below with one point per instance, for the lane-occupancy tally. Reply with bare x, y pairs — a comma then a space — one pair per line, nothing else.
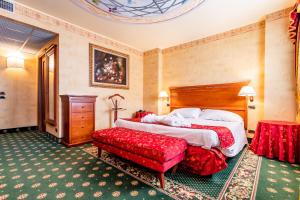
294, 34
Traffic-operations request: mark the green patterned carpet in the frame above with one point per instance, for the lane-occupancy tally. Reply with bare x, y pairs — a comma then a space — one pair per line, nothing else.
279, 181
32, 166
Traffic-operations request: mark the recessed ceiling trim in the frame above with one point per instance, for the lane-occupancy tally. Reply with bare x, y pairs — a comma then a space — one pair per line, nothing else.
136, 13
18, 36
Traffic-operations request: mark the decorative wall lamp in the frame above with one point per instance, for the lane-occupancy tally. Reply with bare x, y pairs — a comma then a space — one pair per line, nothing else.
163, 95
248, 91
15, 60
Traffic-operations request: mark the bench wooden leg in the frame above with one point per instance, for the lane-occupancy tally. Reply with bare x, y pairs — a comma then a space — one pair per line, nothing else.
99, 152
174, 169
161, 177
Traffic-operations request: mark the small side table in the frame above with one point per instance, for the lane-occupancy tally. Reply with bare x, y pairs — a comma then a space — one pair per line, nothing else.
277, 139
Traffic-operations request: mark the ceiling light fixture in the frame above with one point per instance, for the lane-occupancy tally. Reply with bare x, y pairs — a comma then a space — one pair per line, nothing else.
136, 11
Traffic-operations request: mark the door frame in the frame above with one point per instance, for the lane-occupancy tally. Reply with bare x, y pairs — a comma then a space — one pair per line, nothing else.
41, 95
42, 105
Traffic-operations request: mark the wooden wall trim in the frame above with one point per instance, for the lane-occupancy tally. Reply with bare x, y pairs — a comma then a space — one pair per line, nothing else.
218, 85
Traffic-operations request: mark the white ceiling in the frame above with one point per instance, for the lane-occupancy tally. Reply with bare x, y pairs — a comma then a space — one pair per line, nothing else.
15, 36
211, 17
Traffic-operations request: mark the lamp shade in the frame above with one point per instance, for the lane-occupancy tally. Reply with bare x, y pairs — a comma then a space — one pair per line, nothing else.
163, 94
247, 91
15, 60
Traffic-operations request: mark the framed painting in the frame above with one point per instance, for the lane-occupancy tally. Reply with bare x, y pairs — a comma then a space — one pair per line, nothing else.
108, 68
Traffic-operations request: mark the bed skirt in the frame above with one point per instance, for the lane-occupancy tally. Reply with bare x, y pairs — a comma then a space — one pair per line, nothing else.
203, 162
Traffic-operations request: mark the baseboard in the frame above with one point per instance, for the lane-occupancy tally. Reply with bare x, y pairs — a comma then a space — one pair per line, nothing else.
53, 137
29, 128
19, 129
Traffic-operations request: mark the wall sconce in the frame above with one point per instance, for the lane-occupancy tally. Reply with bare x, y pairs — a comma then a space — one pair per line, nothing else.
248, 91
163, 95
15, 60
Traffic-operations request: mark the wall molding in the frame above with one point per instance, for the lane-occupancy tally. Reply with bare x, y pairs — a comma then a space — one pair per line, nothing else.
231, 33
219, 36
279, 14
152, 52
25, 11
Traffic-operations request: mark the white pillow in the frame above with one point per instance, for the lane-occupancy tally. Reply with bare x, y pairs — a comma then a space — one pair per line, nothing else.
220, 115
188, 112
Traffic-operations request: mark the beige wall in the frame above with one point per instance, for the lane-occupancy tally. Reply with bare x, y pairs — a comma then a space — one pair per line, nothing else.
74, 64
74, 78
238, 55
19, 109
247, 53
280, 84
152, 79
232, 59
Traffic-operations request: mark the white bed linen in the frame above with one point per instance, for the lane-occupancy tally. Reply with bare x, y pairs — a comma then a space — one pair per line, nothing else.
197, 137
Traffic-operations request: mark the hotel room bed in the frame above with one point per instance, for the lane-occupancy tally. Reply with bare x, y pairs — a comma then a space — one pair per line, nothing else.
204, 138
206, 153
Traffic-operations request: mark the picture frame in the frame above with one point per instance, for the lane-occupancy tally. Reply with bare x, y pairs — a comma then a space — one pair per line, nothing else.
108, 68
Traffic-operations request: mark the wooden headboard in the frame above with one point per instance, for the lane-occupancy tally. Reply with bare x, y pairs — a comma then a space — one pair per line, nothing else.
217, 96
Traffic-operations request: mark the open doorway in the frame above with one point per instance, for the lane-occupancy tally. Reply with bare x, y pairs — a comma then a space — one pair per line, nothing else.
48, 87
22, 99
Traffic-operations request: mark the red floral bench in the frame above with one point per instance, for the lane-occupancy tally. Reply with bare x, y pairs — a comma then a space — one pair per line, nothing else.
154, 151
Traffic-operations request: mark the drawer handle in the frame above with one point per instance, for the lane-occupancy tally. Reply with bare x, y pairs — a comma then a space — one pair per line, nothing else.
82, 127
82, 117
82, 106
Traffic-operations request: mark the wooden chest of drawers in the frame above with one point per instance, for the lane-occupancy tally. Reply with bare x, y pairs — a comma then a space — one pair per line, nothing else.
78, 118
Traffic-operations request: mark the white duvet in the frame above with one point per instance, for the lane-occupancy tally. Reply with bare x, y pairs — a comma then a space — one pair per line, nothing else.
197, 137
171, 120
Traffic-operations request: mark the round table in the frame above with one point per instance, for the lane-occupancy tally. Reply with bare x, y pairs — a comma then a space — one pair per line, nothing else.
277, 139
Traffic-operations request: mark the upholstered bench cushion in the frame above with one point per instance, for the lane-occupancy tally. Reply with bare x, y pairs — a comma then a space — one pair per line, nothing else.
154, 146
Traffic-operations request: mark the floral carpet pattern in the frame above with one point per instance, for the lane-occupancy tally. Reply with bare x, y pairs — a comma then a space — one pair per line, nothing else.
32, 166
239, 181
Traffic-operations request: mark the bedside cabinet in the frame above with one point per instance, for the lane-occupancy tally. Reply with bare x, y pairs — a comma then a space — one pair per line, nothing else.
78, 119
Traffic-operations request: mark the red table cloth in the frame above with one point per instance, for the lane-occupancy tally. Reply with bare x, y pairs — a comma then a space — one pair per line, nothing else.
277, 139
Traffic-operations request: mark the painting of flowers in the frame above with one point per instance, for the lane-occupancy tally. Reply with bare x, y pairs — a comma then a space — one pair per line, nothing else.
108, 68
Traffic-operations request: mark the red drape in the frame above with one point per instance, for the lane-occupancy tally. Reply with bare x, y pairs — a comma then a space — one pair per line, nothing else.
294, 19
294, 34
